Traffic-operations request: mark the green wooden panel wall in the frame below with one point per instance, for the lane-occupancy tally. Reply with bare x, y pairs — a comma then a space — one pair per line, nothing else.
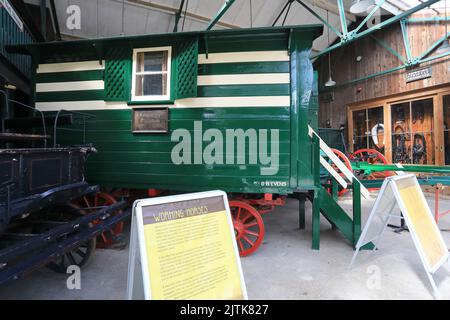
132, 160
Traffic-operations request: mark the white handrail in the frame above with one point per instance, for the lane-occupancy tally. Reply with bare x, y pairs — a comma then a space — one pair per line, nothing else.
339, 164
333, 172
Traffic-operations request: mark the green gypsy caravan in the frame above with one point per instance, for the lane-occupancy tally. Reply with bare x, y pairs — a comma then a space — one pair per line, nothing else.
233, 110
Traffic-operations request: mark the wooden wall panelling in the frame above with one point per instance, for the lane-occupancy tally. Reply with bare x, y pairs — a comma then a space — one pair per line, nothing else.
374, 59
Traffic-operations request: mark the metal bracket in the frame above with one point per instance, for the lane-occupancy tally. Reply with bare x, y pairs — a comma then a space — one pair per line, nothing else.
206, 45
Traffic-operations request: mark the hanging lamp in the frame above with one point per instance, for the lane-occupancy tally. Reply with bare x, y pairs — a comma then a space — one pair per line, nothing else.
360, 6
330, 82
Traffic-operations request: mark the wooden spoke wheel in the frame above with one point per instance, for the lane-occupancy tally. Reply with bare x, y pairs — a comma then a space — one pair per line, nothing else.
371, 156
347, 163
79, 255
248, 227
94, 203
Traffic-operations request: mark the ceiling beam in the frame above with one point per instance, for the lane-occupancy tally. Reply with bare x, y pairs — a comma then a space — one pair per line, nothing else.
31, 25
173, 10
389, 7
377, 27
55, 20
178, 16
43, 8
222, 11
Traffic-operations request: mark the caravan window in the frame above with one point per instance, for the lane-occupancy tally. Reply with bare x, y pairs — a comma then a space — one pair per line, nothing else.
151, 74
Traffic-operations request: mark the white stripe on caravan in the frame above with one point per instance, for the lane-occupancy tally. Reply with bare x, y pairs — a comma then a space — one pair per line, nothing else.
70, 86
81, 105
71, 66
219, 102
259, 78
247, 56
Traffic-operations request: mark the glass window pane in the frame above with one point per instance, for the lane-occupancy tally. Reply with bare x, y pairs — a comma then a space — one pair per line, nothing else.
422, 129
423, 149
359, 143
359, 123
376, 129
155, 61
151, 85
401, 135
422, 115
359, 129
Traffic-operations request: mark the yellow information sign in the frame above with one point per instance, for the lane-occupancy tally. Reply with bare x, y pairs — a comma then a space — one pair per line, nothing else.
402, 194
421, 223
185, 249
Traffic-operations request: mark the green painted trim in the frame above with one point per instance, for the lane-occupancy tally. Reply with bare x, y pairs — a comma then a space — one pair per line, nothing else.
90, 75
243, 67
244, 90
85, 95
310, 31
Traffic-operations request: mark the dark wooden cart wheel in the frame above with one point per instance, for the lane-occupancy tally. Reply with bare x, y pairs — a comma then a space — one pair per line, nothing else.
79, 255
371, 156
93, 203
248, 227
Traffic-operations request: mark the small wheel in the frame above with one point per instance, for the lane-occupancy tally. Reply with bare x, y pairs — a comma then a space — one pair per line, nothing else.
347, 163
94, 203
248, 227
79, 255
371, 156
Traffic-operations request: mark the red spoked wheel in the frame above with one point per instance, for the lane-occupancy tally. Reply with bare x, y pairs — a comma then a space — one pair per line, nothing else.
371, 156
347, 163
92, 203
248, 227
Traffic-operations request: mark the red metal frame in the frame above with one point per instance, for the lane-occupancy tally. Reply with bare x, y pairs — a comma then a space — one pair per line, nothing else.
437, 188
264, 205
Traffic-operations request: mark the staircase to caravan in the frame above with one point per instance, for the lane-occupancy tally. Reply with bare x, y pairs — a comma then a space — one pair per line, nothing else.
325, 202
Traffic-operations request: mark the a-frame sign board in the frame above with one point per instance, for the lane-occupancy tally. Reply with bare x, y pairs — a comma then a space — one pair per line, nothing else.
184, 247
403, 193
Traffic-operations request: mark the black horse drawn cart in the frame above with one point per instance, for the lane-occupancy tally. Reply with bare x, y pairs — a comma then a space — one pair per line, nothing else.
43, 221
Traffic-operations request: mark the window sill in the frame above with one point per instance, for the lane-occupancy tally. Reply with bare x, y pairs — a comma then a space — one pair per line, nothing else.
150, 102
